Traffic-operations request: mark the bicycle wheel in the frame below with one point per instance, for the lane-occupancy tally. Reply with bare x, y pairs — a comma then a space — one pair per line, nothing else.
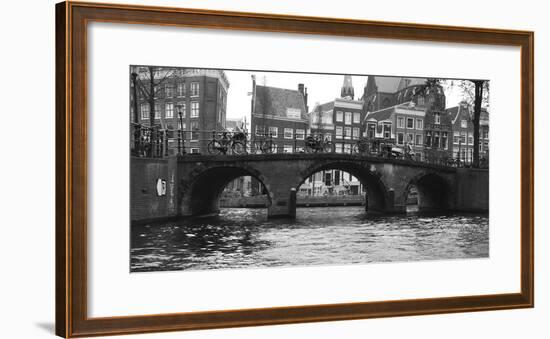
238, 147
356, 149
214, 147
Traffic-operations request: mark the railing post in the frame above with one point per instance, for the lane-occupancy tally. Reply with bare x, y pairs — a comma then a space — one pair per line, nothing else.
294, 149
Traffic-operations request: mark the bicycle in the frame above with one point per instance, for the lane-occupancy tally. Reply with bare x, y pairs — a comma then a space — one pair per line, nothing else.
315, 144
221, 145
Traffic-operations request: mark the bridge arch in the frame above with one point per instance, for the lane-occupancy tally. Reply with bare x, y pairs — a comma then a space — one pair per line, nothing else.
433, 192
201, 192
378, 199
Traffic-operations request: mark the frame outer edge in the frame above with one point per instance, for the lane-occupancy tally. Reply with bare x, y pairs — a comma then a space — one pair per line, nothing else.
68, 310
62, 300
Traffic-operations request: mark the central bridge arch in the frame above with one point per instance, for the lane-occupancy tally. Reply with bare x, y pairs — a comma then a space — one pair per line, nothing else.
377, 194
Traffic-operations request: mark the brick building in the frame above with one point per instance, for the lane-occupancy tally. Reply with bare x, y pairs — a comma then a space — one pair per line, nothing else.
339, 120
408, 111
199, 94
463, 132
281, 113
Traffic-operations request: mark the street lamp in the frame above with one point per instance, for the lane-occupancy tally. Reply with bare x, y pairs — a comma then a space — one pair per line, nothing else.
180, 132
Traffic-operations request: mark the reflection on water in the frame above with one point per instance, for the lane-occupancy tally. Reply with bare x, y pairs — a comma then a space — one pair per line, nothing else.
318, 236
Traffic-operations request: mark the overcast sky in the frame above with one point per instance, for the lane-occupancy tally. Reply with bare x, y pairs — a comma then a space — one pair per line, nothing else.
320, 87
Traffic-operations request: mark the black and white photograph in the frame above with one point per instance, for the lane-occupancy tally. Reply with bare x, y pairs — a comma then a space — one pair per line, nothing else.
256, 169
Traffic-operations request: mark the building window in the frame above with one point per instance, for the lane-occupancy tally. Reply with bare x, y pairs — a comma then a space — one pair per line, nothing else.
169, 90
181, 89
348, 118
144, 111
419, 139
356, 133
181, 108
194, 127
273, 131
410, 123
428, 139
456, 138
194, 109
347, 148
194, 150
339, 132
470, 138
387, 131
444, 138
339, 116
157, 111
463, 123
400, 138
410, 138
371, 130
328, 137
400, 122
287, 149
356, 118
338, 147
419, 124
169, 110
347, 133
260, 131
300, 134
289, 133
436, 140
485, 133
437, 118
455, 152
182, 127
194, 89
463, 138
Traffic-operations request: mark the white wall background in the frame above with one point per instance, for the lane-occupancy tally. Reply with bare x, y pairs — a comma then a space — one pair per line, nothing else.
27, 169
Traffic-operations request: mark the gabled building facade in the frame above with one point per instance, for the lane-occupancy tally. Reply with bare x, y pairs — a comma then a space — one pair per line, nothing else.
279, 114
463, 133
409, 112
340, 120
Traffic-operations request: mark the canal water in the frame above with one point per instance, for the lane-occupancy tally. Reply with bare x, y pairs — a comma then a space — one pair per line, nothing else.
245, 238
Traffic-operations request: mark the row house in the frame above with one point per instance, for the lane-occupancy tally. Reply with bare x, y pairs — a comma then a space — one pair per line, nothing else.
280, 115
408, 112
340, 120
463, 133
192, 100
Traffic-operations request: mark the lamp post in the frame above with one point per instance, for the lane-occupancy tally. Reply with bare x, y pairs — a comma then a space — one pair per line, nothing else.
181, 150
134, 93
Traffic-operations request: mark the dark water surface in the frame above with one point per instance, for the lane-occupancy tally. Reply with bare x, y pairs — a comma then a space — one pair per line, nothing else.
240, 238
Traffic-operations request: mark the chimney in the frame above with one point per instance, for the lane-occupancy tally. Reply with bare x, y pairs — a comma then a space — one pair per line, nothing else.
303, 91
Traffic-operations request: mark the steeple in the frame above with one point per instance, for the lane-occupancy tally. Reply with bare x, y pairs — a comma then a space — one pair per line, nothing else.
347, 88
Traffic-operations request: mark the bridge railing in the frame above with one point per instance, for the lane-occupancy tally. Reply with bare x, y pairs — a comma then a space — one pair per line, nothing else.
157, 143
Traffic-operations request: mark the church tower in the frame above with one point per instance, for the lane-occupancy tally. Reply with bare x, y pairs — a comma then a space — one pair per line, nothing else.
347, 88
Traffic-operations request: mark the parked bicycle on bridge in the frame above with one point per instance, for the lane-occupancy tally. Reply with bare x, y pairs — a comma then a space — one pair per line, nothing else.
316, 144
222, 142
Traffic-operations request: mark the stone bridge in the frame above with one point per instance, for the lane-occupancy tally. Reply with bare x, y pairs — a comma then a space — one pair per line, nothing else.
195, 182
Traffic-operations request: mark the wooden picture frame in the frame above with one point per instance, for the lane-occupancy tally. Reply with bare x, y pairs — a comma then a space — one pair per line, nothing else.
72, 18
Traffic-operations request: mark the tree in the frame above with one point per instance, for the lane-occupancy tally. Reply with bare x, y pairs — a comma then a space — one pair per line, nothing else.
150, 87
476, 93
